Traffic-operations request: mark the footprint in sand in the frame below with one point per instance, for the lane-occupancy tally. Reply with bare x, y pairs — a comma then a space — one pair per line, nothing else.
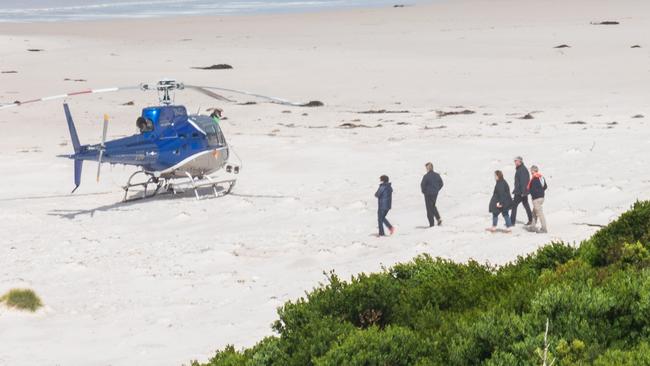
357, 205
183, 216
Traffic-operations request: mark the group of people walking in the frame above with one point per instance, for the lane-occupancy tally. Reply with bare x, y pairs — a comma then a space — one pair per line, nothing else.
503, 202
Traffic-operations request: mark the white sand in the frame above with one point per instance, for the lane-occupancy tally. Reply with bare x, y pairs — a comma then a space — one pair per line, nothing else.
164, 281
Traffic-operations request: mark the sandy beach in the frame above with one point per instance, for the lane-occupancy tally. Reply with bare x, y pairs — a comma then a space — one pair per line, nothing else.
168, 280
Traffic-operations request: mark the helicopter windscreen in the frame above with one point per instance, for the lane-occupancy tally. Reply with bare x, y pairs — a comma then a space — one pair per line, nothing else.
211, 129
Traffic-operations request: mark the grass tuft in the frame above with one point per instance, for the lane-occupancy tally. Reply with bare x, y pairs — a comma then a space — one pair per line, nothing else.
22, 299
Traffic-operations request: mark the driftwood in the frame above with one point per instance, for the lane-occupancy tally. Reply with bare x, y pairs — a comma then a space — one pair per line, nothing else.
588, 224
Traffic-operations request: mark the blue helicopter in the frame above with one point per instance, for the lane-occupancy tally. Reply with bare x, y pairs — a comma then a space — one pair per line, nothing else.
173, 150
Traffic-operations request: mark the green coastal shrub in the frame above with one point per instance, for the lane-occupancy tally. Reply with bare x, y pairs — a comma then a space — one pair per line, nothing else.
22, 299
396, 346
605, 247
432, 311
639, 355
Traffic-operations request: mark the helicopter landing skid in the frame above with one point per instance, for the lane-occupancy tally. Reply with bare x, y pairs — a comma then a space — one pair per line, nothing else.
219, 187
146, 193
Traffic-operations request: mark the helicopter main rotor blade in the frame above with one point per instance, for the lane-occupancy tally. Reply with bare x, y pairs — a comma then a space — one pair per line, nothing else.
102, 146
209, 93
270, 99
63, 96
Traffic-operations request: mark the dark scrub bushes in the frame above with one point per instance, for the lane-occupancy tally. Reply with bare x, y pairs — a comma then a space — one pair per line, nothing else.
431, 311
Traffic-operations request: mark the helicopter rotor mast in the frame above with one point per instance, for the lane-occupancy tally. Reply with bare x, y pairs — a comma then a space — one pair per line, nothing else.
166, 90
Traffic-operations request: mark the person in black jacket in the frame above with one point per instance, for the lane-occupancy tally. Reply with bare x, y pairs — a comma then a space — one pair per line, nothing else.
522, 177
537, 187
385, 202
501, 202
431, 185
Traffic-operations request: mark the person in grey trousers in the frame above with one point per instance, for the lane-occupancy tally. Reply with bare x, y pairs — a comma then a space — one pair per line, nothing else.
537, 188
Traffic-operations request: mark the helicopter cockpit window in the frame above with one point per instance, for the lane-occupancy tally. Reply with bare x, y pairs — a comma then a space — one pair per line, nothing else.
144, 124
211, 129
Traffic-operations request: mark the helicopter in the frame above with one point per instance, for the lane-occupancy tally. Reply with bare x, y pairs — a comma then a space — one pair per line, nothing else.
173, 151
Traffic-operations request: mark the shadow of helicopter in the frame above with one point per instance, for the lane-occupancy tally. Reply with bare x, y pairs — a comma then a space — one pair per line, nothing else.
122, 206
45, 197
263, 196
164, 196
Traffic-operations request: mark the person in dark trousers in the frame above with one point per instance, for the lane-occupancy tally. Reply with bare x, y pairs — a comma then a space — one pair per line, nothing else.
537, 187
431, 185
520, 192
385, 202
501, 202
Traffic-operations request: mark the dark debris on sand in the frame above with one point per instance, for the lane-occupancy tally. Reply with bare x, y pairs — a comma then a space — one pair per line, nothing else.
247, 103
313, 103
638, 116
453, 113
214, 67
527, 116
381, 111
636, 46
563, 46
129, 103
9, 72
576, 123
350, 125
35, 50
607, 22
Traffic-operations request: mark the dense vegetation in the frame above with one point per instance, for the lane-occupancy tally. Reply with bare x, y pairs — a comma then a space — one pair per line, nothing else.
23, 299
429, 311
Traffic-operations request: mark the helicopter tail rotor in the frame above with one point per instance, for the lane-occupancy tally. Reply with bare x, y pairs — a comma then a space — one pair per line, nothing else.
102, 146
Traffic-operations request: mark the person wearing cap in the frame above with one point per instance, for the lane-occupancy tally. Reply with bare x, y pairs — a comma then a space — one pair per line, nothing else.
216, 115
537, 187
520, 192
384, 196
431, 184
